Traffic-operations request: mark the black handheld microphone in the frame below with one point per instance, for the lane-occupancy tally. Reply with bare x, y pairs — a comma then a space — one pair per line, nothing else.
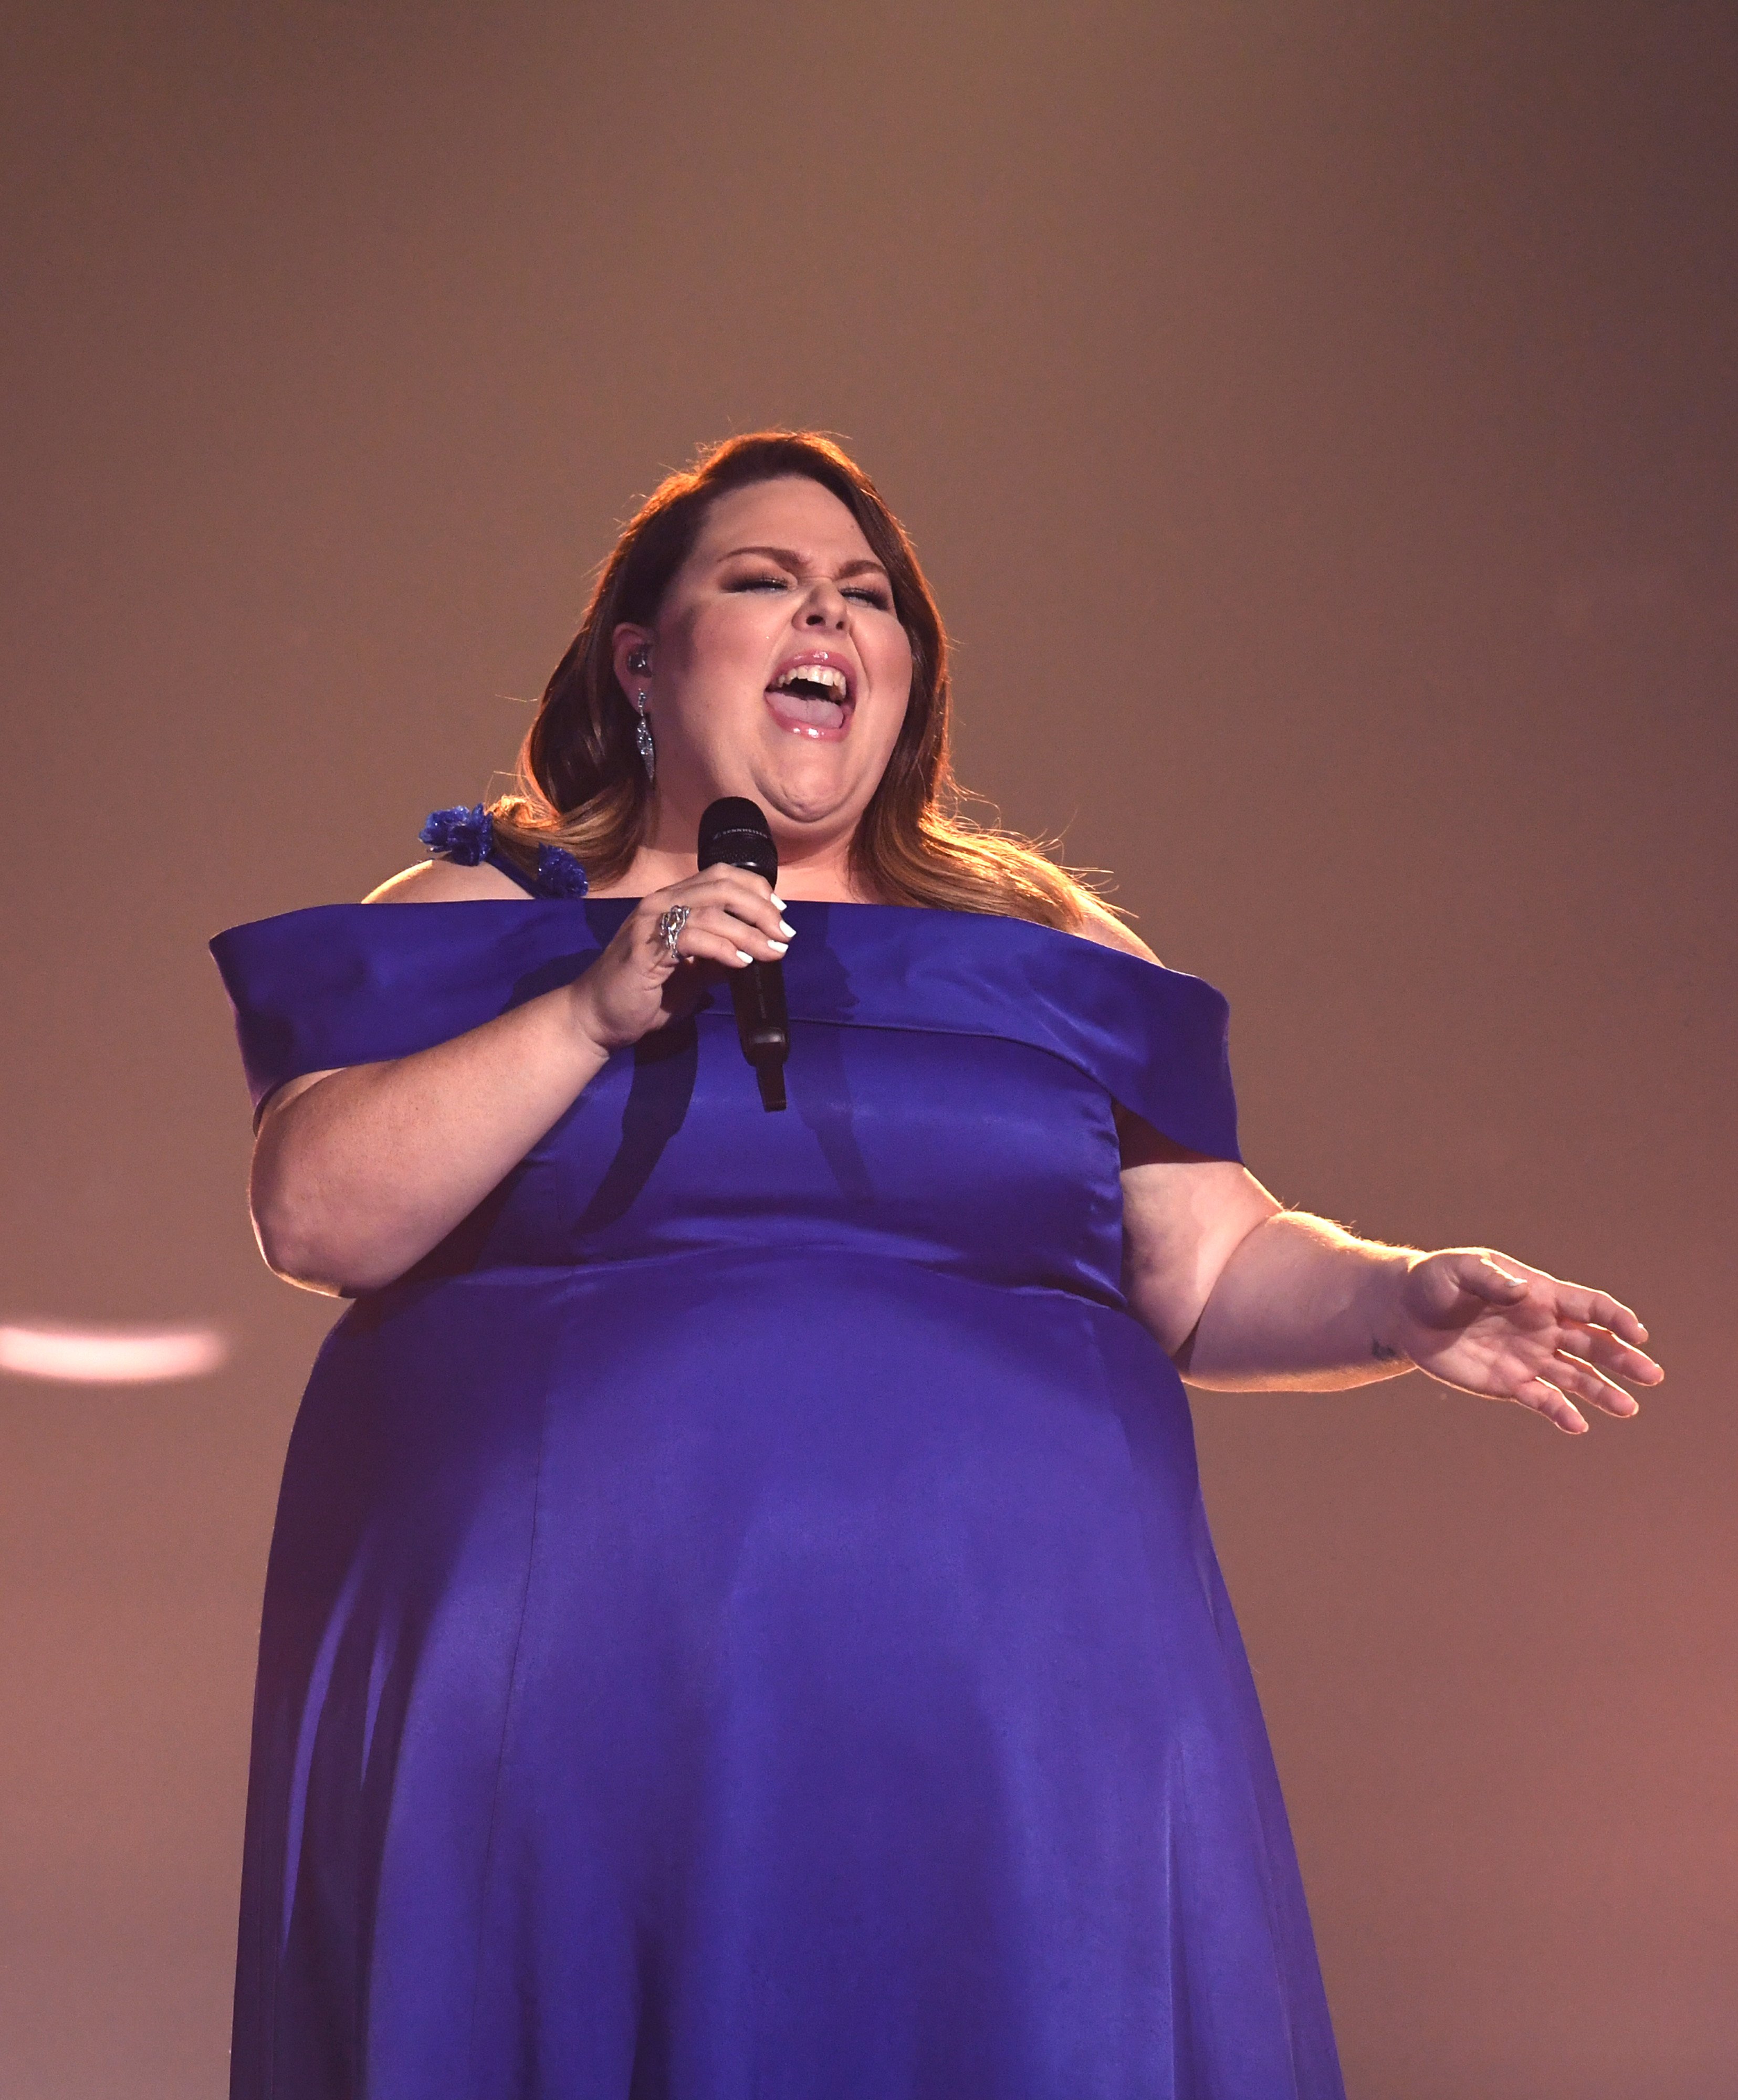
734, 832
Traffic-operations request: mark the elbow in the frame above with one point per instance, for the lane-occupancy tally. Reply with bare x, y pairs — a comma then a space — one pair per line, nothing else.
315, 1228
1165, 1306
294, 1249
310, 1245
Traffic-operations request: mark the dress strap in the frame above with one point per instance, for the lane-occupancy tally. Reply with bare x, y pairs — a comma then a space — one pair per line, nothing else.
511, 869
467, 836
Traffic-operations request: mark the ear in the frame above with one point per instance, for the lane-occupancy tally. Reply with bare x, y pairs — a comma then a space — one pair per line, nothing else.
629, 647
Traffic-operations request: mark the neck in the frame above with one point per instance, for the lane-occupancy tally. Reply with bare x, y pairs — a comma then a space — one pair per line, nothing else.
811, 870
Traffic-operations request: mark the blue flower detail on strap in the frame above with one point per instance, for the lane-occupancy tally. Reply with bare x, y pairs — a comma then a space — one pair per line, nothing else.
468, 837
559, 874
464, 836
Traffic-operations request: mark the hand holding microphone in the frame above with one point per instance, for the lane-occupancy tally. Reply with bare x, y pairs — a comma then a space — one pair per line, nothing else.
726, 917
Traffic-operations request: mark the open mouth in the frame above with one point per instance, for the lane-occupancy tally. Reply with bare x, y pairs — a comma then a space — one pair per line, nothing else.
813, 699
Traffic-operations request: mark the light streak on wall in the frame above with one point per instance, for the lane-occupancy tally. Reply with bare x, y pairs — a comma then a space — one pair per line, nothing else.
110, 1354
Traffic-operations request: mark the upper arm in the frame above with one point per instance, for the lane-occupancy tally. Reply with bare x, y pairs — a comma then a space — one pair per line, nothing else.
444, 882
1184, 1216
429, 882
281, 1098
1183, 1213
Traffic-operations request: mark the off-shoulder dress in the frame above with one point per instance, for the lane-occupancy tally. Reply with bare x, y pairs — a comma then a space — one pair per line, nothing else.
741, 1623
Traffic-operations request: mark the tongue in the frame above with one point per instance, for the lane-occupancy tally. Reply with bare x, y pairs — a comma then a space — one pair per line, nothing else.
798, 708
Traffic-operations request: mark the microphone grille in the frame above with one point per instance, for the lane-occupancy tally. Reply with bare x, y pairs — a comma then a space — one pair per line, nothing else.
734, 832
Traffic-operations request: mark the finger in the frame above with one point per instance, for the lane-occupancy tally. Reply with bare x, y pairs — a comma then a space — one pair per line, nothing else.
1486, 1278
746, 878
745, 896
1544, 1398
747, 943
765, 929
1599, 1346
752, 943
1590, 1386
702, 944
711, 885
723, 880
1581, 1308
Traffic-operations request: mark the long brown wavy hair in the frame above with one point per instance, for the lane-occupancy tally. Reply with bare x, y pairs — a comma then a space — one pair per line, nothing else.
580, 783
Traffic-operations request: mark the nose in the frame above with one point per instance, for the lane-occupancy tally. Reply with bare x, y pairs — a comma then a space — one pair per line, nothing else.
825, 605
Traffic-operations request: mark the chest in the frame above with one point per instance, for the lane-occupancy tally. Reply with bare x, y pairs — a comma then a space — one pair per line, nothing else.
970, 1150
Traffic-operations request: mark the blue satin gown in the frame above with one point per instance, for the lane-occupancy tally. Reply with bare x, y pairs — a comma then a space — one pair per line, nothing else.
741, 1623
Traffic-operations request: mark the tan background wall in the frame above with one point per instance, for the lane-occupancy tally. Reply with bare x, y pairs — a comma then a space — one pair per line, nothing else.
1320, 424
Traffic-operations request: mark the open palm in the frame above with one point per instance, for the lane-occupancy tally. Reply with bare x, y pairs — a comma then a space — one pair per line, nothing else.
1491, 1325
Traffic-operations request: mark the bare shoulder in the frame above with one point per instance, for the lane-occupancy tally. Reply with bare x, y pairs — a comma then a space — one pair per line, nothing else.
1110, 932
444, 882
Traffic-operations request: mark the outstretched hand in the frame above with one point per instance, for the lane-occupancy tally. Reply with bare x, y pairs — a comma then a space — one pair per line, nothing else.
1491, 1326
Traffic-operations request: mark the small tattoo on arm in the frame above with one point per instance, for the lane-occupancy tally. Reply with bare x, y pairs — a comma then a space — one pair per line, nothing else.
1384, 1355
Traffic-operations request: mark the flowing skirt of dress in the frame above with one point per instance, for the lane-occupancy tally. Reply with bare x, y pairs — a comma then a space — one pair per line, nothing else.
650, 1707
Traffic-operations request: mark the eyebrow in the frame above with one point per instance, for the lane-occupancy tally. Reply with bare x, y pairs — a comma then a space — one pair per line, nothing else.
788, 558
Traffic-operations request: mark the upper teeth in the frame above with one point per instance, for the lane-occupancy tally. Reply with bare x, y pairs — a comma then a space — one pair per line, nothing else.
815, 674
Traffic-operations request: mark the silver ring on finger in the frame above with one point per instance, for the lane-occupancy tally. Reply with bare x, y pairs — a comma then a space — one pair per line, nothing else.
670, 925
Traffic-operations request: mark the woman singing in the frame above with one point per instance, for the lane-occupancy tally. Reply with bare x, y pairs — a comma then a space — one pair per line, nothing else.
741, 1623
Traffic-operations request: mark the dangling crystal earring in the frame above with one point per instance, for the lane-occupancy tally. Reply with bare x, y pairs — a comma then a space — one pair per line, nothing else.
642, 738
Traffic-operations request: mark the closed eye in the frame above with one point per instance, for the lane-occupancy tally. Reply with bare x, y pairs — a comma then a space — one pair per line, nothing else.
874, 595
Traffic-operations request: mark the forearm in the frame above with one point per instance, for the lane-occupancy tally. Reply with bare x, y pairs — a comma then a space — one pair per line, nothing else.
1299, 1304
359, 1176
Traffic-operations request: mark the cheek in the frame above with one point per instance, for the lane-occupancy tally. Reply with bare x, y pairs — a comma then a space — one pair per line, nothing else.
890, 672
707, 659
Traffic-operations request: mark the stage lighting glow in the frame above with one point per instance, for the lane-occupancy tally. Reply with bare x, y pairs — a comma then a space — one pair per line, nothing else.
110, 1355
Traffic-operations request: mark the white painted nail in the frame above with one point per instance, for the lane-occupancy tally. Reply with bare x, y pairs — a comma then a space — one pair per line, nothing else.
741, 956
778, 904
788, 931
778, 948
